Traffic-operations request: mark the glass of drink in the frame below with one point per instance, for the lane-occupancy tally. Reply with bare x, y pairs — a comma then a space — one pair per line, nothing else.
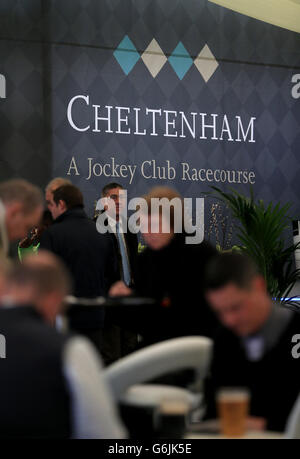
233, 409
172, 418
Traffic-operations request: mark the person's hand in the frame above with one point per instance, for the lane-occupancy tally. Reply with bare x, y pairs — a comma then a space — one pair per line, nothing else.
255, 423
120, 289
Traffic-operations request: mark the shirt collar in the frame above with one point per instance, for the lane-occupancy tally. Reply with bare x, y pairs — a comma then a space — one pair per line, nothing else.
275, 324
266, 338
111, 221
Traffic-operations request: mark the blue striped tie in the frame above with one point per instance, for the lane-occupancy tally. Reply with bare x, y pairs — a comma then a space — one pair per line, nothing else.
125, 263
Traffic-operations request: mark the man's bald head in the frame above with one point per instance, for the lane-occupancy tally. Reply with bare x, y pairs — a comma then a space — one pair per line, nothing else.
51, 272
42, 281
23, 203
56, 183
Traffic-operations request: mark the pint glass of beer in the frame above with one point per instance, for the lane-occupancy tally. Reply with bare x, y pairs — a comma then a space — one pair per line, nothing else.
233, 409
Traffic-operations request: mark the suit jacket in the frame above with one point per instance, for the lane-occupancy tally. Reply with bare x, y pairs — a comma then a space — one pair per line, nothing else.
89, 255
117, 341
90, 258
34, 399
131, 241
174, 276
273, 380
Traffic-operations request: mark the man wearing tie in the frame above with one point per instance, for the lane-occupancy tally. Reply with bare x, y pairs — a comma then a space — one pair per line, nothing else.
118, 341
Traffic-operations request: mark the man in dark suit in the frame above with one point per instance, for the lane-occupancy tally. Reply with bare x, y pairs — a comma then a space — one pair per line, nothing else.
124, 240
51, 384
117, 341
88, 254
254, 345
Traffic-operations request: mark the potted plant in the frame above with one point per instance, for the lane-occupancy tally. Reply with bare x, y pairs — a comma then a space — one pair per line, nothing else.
260, 230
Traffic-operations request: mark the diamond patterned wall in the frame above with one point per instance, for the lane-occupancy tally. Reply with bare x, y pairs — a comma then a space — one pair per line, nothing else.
24, 129
154, 58
178, 55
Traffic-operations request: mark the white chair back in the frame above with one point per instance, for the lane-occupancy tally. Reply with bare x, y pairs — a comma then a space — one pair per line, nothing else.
159, 359
292, 429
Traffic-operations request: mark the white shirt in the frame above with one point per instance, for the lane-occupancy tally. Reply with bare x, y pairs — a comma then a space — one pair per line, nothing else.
292, 429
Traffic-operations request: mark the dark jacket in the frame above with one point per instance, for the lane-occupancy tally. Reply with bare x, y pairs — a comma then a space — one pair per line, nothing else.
174, 277
273, 381
131, 241
91, 260
33, 398
117, 340
89, 255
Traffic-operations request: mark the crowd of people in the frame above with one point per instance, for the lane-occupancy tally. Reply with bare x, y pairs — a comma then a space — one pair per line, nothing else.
52, 381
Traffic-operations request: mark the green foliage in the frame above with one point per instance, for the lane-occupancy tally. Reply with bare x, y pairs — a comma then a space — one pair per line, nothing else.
260, 231
141, 247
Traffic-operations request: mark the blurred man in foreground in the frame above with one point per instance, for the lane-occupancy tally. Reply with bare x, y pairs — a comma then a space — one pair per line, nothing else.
21, 206
253, 348
51, 385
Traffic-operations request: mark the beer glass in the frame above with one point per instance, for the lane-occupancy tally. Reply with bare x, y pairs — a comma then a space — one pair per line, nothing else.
233, 409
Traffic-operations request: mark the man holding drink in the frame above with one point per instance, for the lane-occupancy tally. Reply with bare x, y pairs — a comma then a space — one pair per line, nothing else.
253, 348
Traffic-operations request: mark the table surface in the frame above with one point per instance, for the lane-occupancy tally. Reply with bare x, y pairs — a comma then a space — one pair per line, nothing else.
210, 429
249, 435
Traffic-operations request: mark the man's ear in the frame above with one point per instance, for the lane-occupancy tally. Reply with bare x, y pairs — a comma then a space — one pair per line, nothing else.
50, 305
12, 209
259, 283
62, 205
